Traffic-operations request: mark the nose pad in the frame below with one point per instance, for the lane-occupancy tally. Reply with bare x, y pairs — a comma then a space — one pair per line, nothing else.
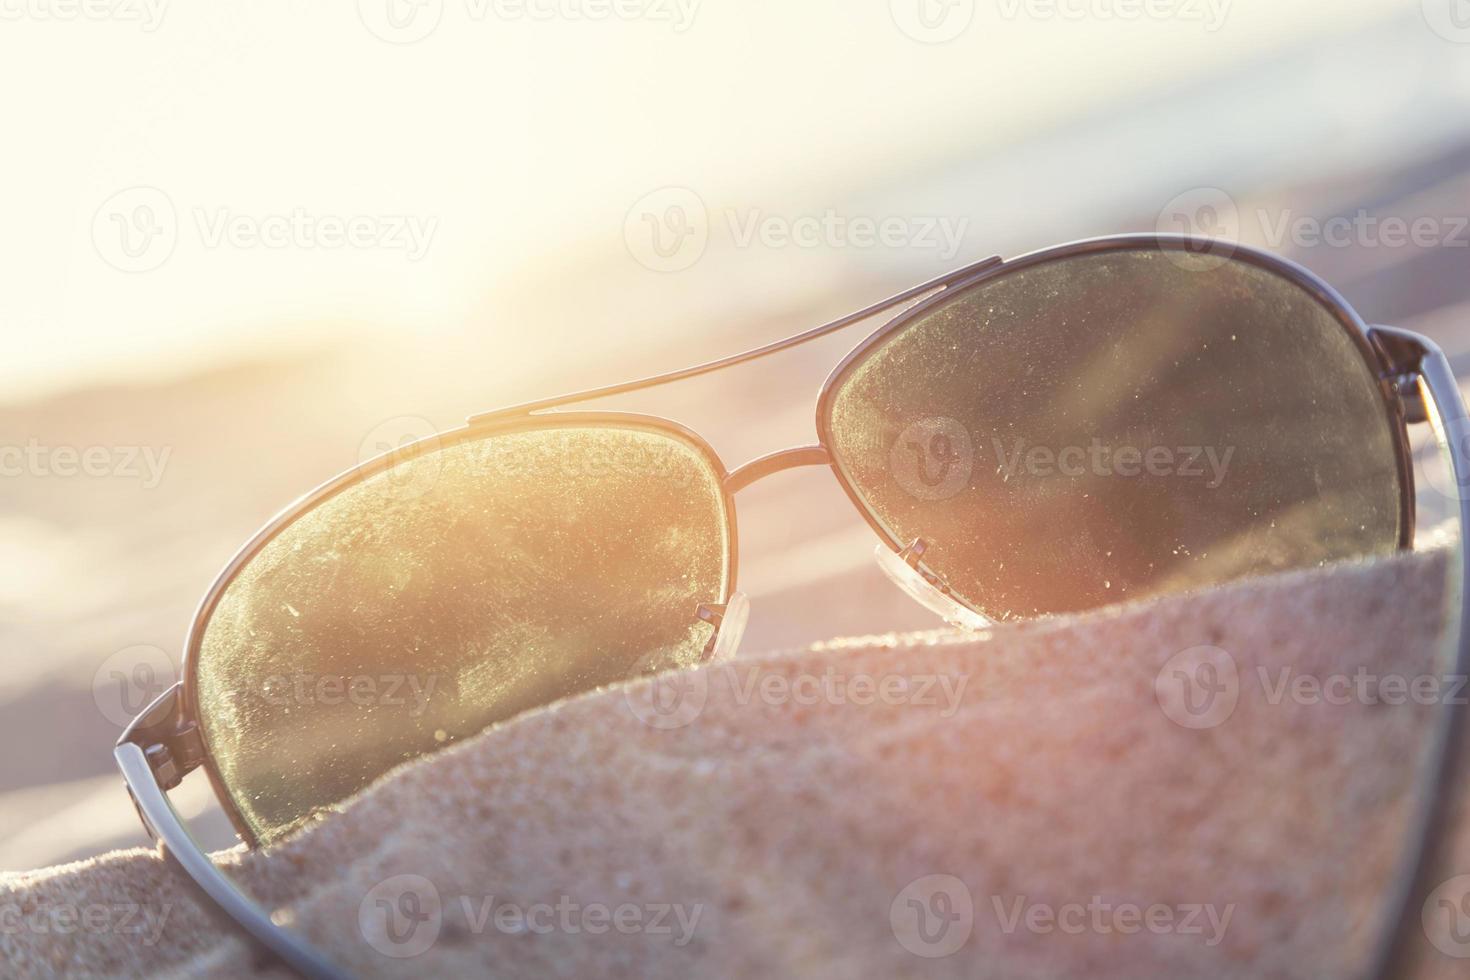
729, 621
899, 567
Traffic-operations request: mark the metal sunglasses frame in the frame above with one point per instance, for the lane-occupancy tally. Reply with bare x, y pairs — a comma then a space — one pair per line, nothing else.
1416, 380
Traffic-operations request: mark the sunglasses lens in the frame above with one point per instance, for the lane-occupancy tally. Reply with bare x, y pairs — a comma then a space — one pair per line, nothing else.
461, 585
1111, 426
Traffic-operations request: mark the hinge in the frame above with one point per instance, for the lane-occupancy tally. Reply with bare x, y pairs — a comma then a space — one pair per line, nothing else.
1404, 388
175, 756
171, 743
1401, 354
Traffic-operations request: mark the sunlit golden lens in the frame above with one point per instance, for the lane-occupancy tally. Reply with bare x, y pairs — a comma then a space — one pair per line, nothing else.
451, 591
1113, 426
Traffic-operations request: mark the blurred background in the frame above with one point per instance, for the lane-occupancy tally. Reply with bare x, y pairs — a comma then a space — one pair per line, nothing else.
249, 245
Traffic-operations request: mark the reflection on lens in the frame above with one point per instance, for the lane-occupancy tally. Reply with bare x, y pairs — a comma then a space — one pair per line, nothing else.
453, 590
1112, 426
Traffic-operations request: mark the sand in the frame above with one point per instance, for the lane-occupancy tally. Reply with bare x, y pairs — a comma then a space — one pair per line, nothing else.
784, 827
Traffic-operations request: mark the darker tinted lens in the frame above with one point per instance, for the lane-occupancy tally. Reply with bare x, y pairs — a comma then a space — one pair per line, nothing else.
1112, 426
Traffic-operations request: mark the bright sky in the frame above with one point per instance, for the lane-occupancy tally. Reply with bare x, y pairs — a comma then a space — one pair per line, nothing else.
301, 175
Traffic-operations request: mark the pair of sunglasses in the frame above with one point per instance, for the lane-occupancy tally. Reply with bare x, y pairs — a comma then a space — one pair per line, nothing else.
1099, 422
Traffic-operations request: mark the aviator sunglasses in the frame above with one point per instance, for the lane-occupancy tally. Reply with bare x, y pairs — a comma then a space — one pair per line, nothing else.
1099, 422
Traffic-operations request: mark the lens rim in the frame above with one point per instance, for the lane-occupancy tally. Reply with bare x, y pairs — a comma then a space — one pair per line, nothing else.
475, 431
1363, 337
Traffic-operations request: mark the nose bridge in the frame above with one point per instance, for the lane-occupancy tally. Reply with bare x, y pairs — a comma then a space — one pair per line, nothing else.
786, 459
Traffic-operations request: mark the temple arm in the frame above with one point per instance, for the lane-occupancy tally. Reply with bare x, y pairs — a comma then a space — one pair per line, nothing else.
949, 280
183, 851
1431, 843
